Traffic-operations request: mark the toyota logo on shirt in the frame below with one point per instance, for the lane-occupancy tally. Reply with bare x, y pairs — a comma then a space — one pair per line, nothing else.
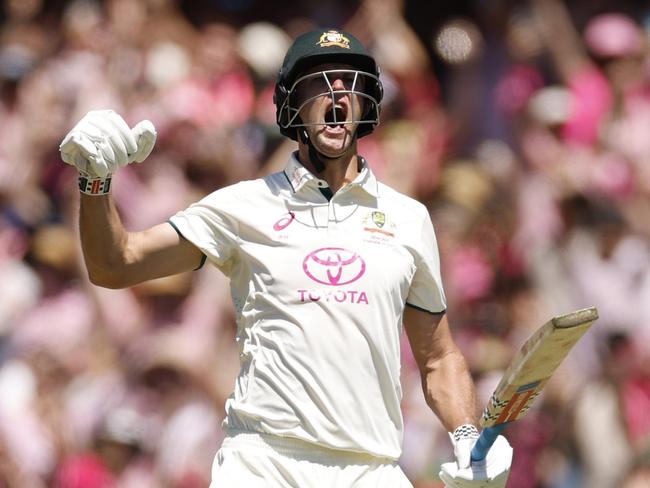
334, 266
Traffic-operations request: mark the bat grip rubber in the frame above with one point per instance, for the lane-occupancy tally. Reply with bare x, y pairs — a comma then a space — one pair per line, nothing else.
485, 441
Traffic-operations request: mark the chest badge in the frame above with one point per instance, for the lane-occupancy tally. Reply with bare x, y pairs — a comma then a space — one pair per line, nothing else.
379, 218
376, 223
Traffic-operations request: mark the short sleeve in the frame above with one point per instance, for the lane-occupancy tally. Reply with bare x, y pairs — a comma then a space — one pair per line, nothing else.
426, 292
210, 225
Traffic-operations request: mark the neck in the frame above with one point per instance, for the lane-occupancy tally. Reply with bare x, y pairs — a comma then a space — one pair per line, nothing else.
338, 171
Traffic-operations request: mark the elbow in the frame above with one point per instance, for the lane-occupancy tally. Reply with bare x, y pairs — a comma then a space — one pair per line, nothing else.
106, 279
110, 272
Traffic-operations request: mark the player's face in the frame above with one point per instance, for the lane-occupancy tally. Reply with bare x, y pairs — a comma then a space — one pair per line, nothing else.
332, 113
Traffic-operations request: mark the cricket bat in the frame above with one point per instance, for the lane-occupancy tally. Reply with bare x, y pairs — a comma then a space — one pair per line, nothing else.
528, 373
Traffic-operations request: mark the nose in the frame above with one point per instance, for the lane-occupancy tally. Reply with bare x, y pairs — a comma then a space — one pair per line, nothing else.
338, 83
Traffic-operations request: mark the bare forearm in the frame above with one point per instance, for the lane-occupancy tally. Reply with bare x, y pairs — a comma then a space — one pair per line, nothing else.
103, 237
449, 390
447, 384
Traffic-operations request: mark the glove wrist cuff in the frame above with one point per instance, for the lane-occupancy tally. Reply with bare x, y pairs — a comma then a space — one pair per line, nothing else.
94, 185
465, 431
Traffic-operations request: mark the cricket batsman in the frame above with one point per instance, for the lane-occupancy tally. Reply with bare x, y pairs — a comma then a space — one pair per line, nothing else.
326, 265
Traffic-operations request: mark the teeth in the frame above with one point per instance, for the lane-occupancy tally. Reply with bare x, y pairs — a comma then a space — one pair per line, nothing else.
335, 111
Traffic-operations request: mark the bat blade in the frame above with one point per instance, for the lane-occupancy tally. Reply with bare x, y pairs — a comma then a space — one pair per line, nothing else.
529, 372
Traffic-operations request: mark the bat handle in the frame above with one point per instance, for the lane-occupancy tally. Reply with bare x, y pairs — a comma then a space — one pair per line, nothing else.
485, 441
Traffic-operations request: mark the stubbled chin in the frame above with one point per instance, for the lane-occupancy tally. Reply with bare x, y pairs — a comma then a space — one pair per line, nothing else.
334, 144
336, 132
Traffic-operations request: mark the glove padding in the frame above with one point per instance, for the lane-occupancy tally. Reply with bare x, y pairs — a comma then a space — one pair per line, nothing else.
101, 142
492, 472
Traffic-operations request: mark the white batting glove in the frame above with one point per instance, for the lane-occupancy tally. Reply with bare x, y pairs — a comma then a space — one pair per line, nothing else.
102, 142
492, 472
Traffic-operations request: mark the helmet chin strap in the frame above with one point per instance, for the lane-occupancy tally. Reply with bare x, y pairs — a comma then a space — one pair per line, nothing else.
315, 156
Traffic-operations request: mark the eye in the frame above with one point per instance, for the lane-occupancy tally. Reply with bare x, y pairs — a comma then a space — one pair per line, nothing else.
316, 84
310, 86
348, 79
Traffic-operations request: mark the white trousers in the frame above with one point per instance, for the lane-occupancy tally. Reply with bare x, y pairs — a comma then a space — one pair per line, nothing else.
250, 460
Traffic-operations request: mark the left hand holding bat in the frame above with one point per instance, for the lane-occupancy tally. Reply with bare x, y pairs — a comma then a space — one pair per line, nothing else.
492, 472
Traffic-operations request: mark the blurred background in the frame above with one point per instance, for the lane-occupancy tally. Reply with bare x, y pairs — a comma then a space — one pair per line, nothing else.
524, 126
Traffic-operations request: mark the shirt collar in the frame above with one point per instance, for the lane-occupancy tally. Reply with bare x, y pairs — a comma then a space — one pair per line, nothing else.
299, 176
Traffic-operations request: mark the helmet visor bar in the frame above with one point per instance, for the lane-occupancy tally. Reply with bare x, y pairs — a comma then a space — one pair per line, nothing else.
313, 86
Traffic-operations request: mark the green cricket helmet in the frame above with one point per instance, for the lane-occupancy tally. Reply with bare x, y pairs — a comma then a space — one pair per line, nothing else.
327, 46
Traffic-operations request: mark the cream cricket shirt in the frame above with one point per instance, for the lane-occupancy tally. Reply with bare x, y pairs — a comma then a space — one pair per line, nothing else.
319, 290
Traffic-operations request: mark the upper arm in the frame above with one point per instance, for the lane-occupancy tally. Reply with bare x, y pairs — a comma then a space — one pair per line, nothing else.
154, 253
428, 335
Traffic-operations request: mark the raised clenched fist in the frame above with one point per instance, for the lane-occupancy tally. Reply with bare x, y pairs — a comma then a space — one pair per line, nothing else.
101, 142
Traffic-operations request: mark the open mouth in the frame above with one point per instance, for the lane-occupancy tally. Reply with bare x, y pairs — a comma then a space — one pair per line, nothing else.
336, 115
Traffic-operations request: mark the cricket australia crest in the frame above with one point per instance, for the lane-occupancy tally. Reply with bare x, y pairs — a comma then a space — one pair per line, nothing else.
379, 219
333, 38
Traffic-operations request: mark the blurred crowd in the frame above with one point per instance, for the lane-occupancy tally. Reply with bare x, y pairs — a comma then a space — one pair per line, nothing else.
524, 126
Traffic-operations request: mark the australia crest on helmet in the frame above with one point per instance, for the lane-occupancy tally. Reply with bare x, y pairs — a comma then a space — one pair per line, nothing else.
333, 38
